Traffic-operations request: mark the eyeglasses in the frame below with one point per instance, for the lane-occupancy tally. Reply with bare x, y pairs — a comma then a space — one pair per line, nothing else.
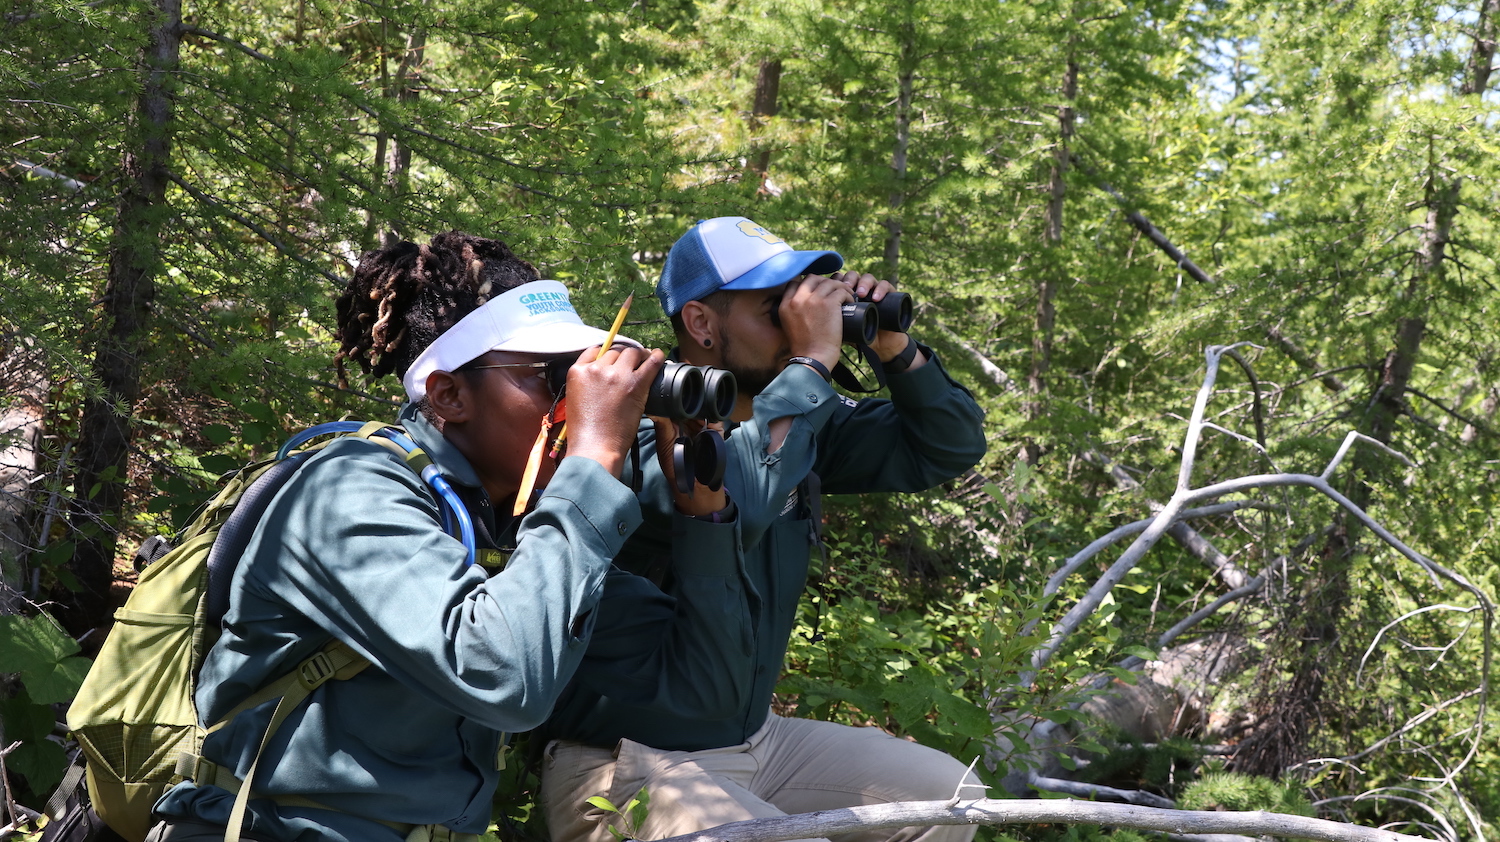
553, 371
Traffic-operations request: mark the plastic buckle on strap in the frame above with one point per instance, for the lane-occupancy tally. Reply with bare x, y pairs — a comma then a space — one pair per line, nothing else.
315, 670
198, 769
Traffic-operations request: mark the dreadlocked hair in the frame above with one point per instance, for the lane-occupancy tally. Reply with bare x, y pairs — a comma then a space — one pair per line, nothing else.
404, 296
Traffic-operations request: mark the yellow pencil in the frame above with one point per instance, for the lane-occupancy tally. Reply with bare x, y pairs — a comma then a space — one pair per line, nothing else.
614, 330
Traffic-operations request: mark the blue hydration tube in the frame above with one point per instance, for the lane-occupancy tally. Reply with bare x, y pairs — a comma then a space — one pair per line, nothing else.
456, 520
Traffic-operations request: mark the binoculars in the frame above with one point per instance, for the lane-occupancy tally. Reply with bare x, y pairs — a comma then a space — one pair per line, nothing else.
679, 392
863, 318
683, 391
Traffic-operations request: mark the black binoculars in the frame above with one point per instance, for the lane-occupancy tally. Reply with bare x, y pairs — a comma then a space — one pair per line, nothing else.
863, 318
683, 391
679, 392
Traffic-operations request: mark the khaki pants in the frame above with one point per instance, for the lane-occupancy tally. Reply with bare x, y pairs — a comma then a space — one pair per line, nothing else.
788, 766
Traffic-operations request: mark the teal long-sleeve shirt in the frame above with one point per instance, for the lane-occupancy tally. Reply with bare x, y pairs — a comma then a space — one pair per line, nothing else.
929, 431
352, 548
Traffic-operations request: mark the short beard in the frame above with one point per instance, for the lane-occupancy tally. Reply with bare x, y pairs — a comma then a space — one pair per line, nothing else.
750, 380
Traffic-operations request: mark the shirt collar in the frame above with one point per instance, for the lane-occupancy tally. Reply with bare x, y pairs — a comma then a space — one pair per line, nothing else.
447, 457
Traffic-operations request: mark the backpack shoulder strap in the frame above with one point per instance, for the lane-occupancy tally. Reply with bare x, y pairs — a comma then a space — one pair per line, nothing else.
334, 661
234, 535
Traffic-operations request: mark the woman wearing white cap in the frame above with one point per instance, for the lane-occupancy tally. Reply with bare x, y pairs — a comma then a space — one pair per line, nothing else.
352, 548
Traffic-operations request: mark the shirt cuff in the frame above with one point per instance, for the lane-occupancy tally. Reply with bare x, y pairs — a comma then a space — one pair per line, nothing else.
605, 502
925, 385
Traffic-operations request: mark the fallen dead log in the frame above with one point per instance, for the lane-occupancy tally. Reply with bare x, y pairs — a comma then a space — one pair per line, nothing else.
990, 811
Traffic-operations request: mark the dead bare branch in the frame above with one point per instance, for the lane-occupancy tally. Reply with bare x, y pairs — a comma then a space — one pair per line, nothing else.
991, 811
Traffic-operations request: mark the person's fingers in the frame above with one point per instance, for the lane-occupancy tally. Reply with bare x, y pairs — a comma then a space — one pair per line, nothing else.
881, 290
651, 360
867, 286
828, 288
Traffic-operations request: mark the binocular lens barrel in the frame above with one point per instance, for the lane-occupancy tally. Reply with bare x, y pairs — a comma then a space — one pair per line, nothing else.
677, 392
720, 393
861, 321
894, 311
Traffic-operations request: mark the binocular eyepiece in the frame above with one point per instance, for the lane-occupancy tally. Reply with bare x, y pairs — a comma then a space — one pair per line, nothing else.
683, 391
863, 318
680, 392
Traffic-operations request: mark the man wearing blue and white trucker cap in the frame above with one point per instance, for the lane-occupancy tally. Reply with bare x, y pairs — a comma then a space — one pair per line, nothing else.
792, 436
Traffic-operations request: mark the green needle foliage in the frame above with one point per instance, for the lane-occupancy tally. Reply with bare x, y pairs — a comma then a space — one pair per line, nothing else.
1326, 174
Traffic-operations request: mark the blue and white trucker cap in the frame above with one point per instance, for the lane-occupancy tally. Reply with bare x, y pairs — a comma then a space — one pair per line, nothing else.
534, 318
731, 252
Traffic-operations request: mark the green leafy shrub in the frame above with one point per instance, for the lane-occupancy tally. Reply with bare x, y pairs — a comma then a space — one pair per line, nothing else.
1236, 792
47, 660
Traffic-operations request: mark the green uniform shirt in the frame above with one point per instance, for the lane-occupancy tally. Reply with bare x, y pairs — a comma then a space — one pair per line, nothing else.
928, 432
352, 547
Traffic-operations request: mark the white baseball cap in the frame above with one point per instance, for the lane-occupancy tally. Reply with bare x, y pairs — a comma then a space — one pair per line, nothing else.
533, 318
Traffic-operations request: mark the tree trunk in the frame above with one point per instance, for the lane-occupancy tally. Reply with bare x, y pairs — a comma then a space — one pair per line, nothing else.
1045, 323
22, 408
406, 91
392, 155
767, 91
1296, 707
904, 84
134, 260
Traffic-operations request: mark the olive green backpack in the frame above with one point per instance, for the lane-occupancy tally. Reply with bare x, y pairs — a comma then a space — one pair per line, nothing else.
135, 718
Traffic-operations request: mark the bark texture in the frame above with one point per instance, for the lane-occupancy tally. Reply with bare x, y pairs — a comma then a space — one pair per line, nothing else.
763, 107
134, 262
996, 812
905, 85
22, 408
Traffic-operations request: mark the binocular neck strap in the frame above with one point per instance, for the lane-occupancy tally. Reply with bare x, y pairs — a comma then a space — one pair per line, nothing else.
846, 378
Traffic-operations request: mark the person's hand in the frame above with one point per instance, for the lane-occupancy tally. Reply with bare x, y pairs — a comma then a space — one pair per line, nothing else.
700, 501
888, 343
605, 400
812, 317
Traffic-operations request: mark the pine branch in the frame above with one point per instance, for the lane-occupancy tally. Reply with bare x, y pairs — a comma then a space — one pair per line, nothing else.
273, 240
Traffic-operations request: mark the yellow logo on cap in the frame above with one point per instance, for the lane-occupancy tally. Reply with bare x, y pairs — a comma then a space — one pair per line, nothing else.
753, 230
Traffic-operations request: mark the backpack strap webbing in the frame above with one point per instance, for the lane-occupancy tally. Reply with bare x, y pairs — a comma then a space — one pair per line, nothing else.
417, 459
334, 661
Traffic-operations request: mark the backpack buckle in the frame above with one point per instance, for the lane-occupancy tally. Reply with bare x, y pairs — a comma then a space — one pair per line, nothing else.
315, 670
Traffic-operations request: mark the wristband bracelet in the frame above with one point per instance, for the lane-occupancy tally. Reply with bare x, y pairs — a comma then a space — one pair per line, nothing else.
903, 360
724, 515
813, 364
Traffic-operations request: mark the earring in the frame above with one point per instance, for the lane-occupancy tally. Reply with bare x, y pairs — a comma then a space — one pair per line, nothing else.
708, 343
